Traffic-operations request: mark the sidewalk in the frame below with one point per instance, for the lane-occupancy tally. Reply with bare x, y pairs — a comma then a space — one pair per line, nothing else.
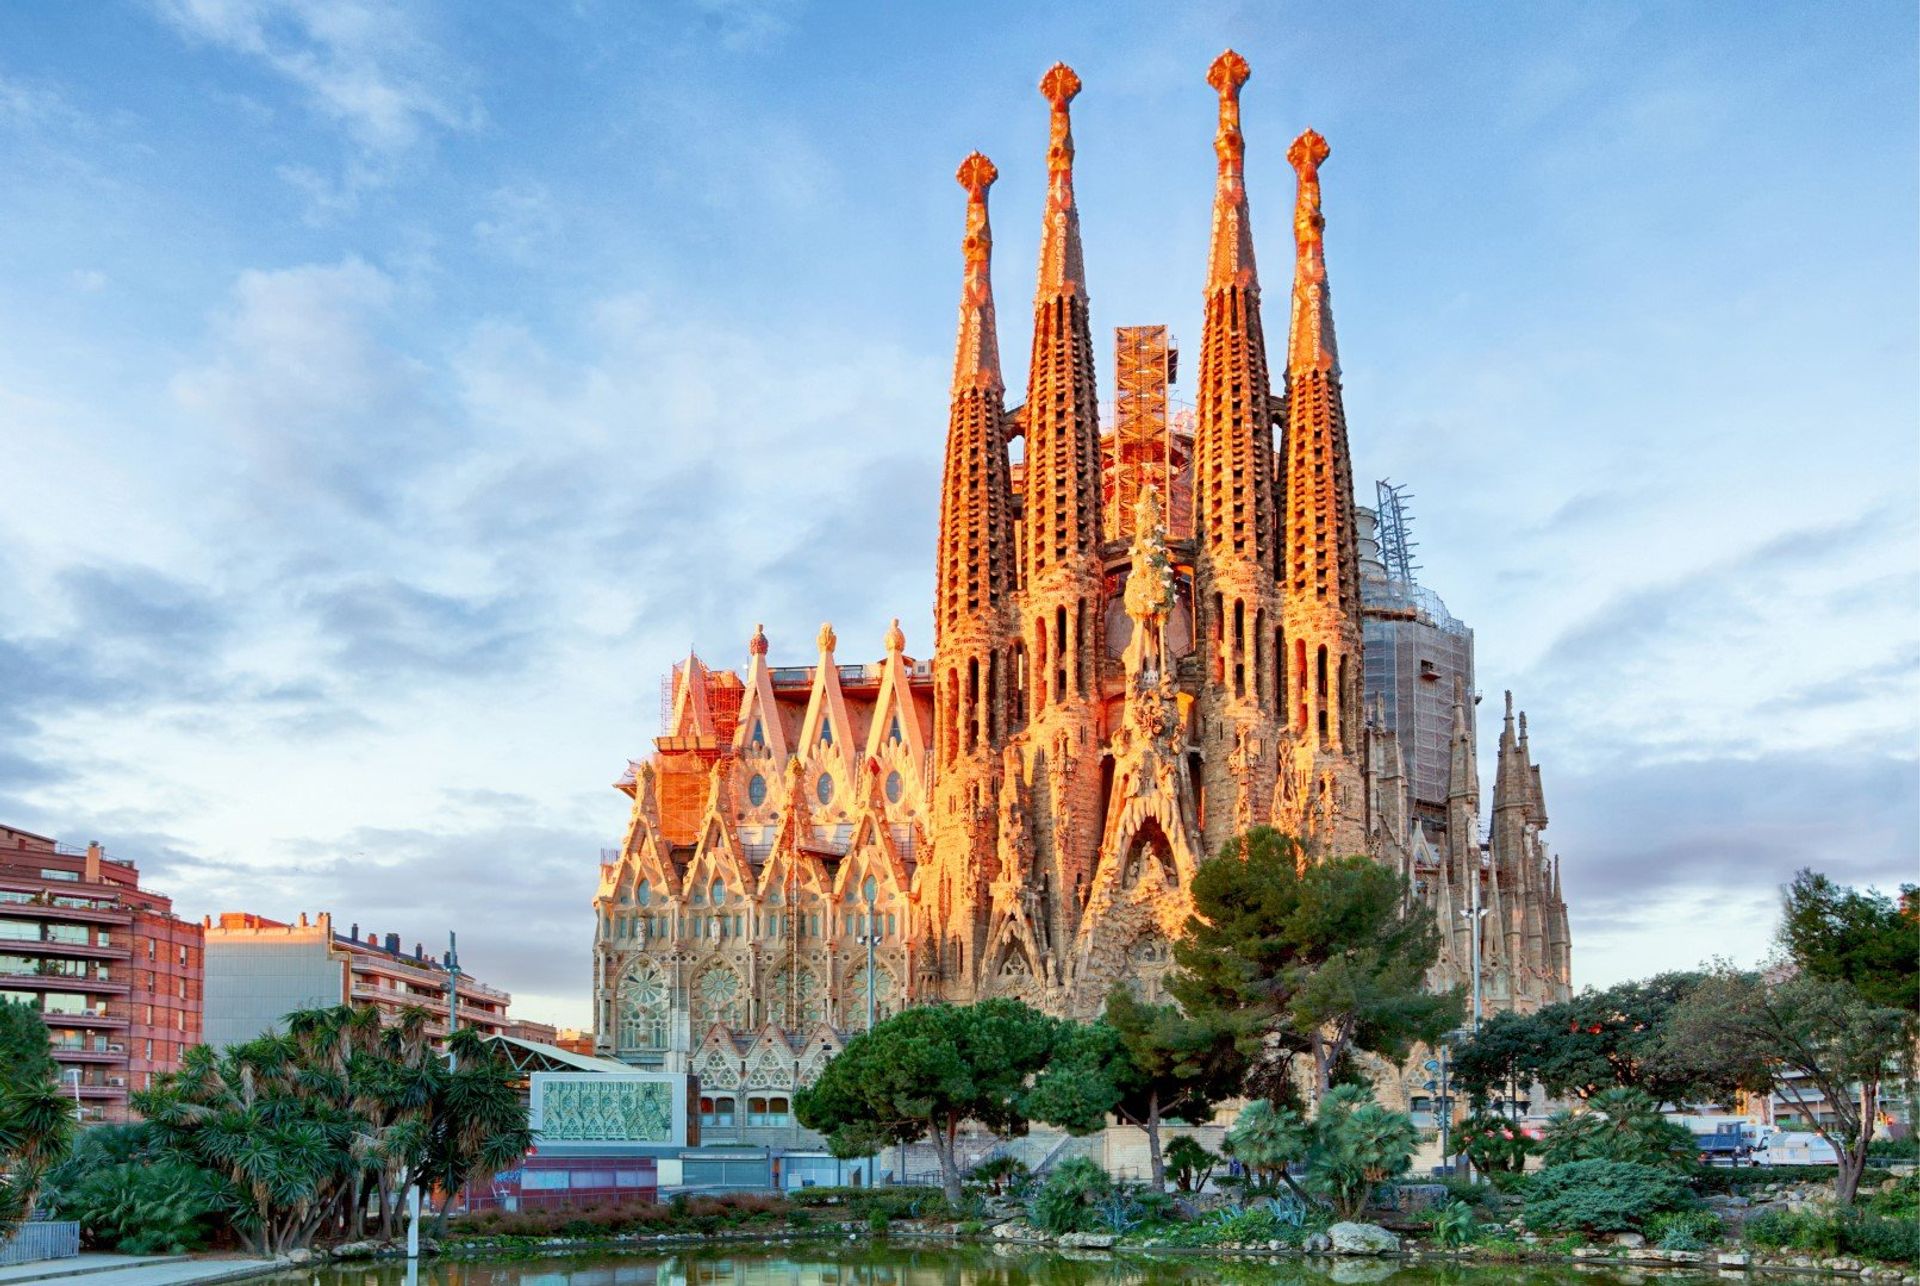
135, 1270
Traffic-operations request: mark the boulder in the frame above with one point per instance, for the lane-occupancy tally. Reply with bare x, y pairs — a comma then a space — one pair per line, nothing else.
1362, 1239
299, 1256
1087, 1240
1317, 1243
1631, 1240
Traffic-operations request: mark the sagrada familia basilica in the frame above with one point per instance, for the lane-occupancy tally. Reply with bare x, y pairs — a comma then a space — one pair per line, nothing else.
1124, 675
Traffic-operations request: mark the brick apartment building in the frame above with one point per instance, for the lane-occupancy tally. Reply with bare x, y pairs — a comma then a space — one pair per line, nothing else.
115, 975
259, 970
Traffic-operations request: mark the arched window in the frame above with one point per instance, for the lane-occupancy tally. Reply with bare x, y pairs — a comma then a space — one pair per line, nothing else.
643, 893
718, 892
643, 1008
826, 731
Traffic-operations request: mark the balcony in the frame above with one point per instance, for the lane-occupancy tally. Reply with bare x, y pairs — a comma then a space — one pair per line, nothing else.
88, 1018
65, 982
86, 1054
66, 950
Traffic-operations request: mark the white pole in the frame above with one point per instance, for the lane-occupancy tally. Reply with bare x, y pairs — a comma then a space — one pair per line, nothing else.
413, 1224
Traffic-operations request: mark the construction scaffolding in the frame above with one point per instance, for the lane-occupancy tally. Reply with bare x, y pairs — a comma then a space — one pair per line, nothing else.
1396, 546
1141, 450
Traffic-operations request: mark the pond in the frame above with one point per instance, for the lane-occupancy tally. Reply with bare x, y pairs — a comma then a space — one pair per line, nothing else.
894, 1265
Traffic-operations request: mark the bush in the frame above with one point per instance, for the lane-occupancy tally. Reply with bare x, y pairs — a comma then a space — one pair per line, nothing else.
1002, 1174
1618, 1125
1907, 1149
1900, 1201
1851, 1232
1188, 1160
1493, 1143
1685, 1229
1603, 1196
144, 1208
1460, 1188
1357, 1146
1066, 1201
1453, 1224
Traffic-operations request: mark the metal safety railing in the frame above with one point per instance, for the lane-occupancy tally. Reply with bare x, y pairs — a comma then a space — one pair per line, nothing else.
41, 1239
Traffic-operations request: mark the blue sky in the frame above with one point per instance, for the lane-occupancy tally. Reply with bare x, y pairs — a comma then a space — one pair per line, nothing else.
389, 394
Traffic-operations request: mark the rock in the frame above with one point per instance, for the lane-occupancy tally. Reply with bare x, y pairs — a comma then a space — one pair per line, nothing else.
1362, 1239
1088, 1240
1631, 1240
1317, 1243
356, 1250
1353, 1272
299, 1256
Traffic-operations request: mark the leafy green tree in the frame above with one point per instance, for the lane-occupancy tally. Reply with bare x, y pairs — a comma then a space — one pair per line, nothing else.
1144, 1063
1598, 1040
36, 1120
1864, 939
1192, 1164
1618, 1125
1812, 1040
1309, 959
924, 1072
1357, 1145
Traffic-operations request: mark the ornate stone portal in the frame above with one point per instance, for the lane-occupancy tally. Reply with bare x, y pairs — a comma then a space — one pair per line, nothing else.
1022, 815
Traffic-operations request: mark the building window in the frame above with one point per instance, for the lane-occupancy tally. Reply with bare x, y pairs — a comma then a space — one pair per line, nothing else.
719, 892
823, 789
716, 1111
773, 1110
756, 790
895, 786
716, 998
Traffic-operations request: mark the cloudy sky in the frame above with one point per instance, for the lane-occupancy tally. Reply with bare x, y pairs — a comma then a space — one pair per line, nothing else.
388, 395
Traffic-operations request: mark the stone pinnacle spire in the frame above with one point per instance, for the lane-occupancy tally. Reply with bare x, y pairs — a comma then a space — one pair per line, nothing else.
1233, 502
976, 358
1061, 619
1062, 268
974, 578
1230, 262
1312, 345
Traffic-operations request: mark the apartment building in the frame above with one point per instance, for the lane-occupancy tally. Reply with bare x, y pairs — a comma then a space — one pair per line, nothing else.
259, 970
116, 976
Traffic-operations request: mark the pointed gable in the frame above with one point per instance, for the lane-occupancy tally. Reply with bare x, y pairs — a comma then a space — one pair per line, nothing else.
896, 728
827, 731
761, 731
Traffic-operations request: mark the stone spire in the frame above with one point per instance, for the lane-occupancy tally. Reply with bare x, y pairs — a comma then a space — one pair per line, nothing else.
1319, 568
1463, 798
976, 358
1061, 620
973, 596
1063, 270
1233, 502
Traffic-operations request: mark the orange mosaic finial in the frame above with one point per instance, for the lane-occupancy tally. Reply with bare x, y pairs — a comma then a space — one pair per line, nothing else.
757, 645
976, 359
827, 639
1230, 256
1312, 345
896, 638
1062, 267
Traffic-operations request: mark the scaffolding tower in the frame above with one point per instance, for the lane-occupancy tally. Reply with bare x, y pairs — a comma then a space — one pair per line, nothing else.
1145, 362
1396, 547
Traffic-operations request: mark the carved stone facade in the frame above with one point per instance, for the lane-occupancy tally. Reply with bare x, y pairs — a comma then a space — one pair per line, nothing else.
1023, 814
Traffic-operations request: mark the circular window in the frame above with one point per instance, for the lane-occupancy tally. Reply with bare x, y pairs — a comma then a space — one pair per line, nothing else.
757, 790
895, 788
823, 789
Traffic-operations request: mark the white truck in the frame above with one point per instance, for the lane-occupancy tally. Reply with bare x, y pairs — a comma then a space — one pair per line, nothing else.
1792, 1147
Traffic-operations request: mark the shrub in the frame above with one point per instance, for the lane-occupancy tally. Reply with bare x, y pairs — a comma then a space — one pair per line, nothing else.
1852, 1232
1066, 1201
1894, 1240
1900, 1201
1453, 1224
1618, 1125
1460, 1188
1358, 1145
1493, 1143
144, 1208
1190, 1163
1685, 1229
1603, 1196
1002, 1174
1907, 1149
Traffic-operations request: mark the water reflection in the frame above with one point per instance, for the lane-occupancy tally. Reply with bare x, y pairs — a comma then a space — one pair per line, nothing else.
887, 1265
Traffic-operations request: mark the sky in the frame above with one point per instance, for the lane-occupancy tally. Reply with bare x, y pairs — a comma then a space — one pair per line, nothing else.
389, 395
